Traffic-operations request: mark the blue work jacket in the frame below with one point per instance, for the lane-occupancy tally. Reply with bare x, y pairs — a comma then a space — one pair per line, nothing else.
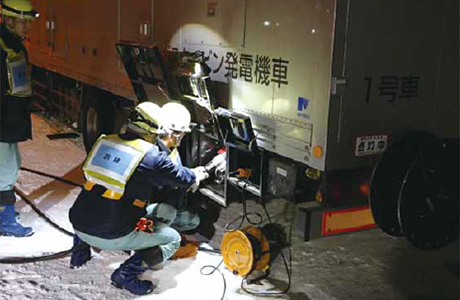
108, 218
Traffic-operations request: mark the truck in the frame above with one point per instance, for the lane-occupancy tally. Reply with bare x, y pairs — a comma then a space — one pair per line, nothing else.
349, 108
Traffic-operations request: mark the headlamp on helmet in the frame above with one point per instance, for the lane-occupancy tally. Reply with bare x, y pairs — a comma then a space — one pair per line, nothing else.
21, 9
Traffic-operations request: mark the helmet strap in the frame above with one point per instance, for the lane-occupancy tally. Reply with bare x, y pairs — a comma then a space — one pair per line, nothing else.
147, 136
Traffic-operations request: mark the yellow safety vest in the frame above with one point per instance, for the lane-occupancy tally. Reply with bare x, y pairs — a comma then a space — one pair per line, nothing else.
111, 163
18, 72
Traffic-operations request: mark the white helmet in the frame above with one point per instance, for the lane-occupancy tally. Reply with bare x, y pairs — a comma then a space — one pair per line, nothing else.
176, 117
147, 118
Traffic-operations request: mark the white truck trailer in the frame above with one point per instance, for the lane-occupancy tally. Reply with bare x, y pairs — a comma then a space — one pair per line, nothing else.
315, 90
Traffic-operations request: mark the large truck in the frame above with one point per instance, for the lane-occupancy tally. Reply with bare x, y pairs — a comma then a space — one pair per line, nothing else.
328, 103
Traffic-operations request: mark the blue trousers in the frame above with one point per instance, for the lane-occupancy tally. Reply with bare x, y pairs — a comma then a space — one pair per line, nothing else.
168, 221
10, 163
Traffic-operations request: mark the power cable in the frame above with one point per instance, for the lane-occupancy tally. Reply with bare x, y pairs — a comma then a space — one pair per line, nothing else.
23, 260
245, 216
216, 268
41, 214
20, 260
52, 176
287, 266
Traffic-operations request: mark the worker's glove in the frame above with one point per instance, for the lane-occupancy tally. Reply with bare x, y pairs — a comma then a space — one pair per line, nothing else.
199, 169
200, 175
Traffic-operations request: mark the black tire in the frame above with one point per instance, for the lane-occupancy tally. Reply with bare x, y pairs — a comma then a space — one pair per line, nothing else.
97, 116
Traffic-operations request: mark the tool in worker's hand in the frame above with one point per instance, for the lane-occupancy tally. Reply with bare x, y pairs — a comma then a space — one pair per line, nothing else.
218, 161
218, 165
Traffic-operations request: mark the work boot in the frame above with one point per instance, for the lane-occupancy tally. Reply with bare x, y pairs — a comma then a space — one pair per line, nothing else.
126, 276
8, 224
81, 253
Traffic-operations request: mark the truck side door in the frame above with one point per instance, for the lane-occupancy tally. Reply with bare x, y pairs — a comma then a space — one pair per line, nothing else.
57, 28
136, 21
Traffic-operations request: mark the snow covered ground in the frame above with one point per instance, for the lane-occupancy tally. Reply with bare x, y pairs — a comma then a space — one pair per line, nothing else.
180, 279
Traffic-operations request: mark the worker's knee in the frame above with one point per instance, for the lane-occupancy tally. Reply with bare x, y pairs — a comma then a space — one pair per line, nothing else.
186, 221
164, 213
195, 221
169, 249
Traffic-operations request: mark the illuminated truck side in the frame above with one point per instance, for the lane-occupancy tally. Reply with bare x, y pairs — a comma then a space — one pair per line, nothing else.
331, 85
328, 85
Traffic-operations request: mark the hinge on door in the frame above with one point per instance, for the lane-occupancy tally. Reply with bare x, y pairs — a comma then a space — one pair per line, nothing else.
338, 85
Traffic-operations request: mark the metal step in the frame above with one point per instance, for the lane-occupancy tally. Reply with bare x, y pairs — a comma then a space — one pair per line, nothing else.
245, 185
213, 196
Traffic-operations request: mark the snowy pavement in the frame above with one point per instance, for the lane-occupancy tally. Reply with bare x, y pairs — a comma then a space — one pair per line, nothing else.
180, 279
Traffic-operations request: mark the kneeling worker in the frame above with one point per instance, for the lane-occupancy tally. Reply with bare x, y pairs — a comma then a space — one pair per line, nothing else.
124, 173
172, 209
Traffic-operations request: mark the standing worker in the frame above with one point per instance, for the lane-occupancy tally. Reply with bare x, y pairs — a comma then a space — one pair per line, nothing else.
124, 173
15, 96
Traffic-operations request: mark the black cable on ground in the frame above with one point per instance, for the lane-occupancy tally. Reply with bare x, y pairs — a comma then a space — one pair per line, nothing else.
287, 266
41, 214
245, 216
216, 251
51, 176
21, 260
216, 268
35, 208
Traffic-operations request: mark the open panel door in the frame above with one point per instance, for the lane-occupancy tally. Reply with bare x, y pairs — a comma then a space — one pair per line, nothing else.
146, 70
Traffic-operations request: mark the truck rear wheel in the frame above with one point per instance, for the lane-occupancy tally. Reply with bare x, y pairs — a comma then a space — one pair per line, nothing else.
97, 116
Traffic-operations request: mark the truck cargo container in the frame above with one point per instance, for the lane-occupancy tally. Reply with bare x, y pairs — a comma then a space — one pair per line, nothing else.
329, 103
